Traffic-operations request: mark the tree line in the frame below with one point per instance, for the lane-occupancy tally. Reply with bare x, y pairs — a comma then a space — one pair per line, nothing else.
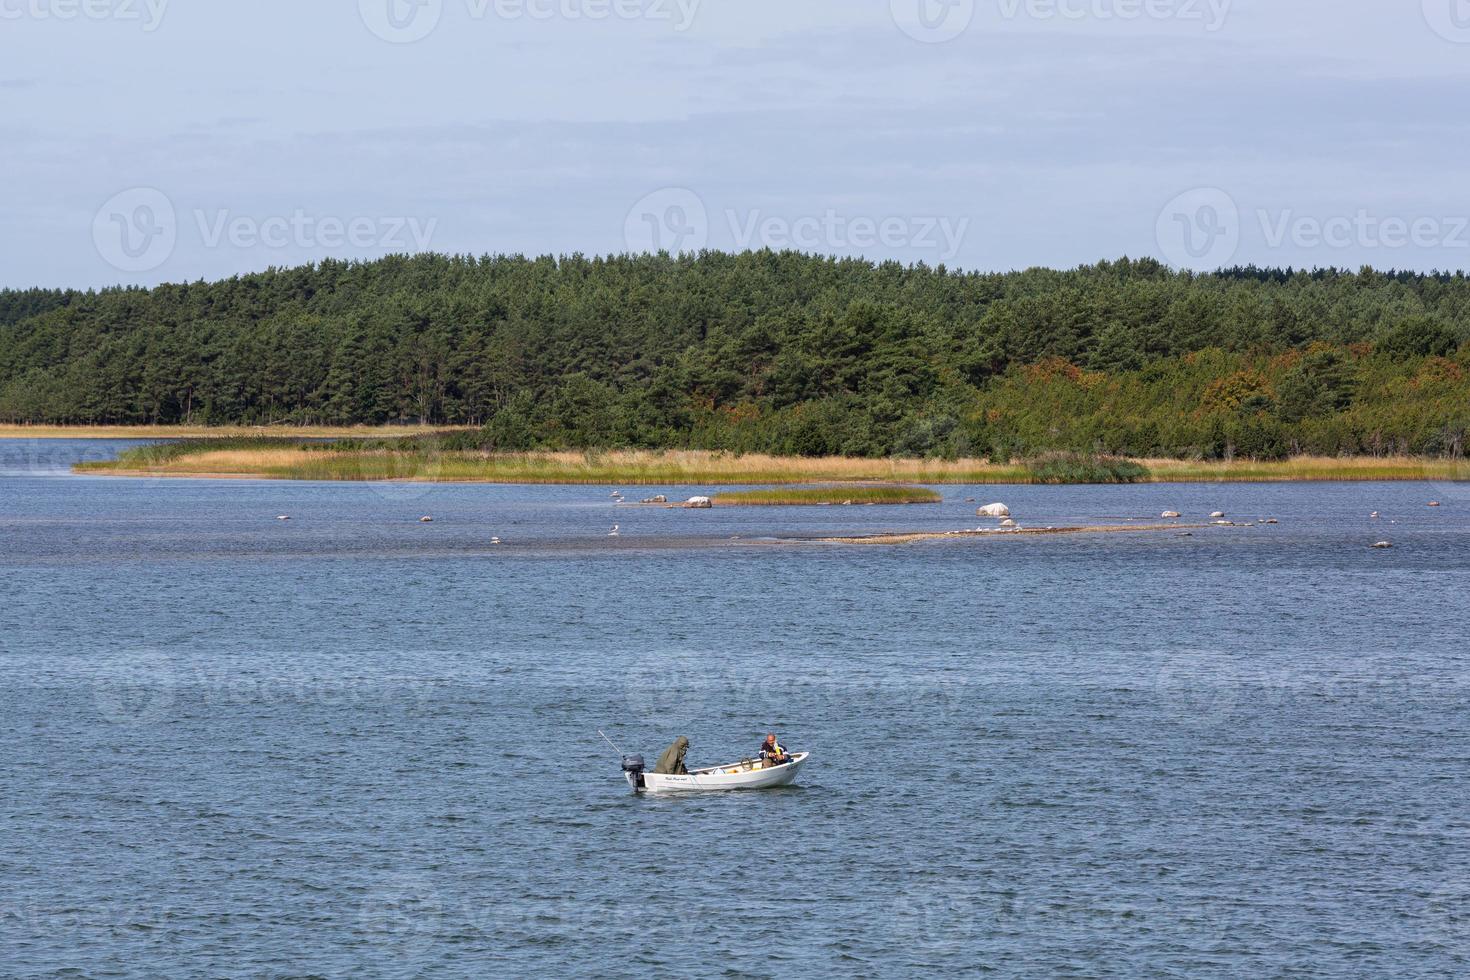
774, 352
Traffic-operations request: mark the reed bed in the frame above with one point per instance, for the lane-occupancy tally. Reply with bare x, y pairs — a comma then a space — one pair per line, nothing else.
838, 495
1307, 468
292, 460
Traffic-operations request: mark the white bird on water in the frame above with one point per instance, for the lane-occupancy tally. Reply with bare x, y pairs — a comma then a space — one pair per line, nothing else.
283, 517
614, 532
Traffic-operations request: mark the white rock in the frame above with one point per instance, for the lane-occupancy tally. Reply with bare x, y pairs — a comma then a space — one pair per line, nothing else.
994, 510
426, 519
1007, 523
1434, 503
1170, 514
700, 503
1217, 514
1384, 544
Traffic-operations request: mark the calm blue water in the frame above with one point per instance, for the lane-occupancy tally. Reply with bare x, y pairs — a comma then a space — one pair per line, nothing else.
352, 744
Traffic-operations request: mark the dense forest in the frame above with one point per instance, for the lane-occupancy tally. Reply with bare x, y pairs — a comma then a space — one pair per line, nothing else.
775, 352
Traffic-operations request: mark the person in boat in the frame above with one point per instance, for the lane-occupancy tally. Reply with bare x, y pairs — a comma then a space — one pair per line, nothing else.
772, 754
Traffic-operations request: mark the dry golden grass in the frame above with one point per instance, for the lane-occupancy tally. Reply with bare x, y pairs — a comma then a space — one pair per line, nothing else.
690, 467
1306, 468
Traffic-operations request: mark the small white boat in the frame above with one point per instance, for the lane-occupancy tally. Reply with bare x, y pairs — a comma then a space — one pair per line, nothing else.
737, 775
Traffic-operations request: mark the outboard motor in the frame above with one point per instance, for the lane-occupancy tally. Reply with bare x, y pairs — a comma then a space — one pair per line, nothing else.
633, 768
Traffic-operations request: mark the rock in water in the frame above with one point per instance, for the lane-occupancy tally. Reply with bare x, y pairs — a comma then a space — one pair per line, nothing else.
1434, 503
994, 510
1217, 514
699, 503
1384, 544
1170, 514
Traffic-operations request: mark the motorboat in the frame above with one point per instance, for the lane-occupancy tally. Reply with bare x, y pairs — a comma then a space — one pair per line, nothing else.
745, 774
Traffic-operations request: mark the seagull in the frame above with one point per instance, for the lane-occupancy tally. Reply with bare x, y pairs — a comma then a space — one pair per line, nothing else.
494, 540
614, 532
426, 519
283, 517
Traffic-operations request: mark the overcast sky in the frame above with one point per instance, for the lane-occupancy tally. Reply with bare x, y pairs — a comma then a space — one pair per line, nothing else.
162, 140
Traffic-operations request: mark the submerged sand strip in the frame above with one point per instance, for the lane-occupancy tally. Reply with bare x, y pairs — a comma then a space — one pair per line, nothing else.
911, 537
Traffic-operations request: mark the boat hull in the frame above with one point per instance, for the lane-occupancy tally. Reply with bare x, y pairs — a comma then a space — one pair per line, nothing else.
721, 778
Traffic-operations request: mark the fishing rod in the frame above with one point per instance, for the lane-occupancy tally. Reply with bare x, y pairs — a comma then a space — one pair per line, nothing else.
612, 743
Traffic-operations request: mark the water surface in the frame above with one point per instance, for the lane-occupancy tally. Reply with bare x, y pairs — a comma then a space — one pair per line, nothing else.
352, 743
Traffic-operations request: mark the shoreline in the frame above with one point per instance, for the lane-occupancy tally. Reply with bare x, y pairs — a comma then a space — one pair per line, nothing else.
687, 468
914, 537
217, 432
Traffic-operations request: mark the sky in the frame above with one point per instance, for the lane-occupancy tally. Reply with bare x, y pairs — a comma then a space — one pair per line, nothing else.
148, 141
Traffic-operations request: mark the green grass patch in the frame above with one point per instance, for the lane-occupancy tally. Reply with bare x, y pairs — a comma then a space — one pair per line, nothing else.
816, 496
1079, 468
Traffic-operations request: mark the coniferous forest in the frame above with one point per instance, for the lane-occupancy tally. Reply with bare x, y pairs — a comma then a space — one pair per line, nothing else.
773, 352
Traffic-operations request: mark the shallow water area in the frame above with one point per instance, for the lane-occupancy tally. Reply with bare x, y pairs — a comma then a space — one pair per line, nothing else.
353, 742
